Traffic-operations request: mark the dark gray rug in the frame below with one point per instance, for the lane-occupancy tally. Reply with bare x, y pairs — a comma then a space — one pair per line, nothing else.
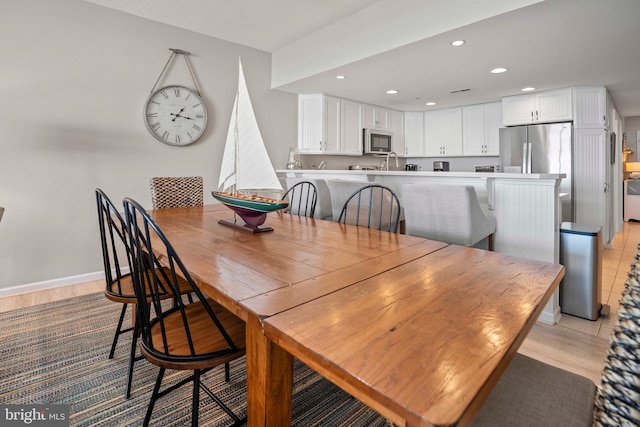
57, 353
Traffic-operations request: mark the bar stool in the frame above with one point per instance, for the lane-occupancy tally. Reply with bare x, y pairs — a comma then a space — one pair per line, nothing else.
447, 213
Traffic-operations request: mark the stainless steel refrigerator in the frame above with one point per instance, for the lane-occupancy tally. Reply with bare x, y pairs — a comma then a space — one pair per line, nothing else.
541, 149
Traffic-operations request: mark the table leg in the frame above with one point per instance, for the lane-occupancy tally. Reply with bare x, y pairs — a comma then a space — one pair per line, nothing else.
269, 379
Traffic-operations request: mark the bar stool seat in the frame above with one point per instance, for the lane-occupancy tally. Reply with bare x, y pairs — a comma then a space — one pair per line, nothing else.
447, 213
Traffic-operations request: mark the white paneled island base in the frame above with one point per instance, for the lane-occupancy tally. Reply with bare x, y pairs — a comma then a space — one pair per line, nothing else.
526, 208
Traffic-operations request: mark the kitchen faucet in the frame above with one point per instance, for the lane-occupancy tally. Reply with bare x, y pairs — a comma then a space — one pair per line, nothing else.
322, 165
387, 161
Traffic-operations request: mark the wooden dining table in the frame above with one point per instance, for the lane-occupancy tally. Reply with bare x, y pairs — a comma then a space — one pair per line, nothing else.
416, 329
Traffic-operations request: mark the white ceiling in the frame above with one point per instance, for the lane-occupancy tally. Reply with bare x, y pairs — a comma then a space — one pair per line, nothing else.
404, 45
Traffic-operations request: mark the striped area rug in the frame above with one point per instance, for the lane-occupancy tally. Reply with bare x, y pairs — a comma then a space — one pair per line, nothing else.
57, 353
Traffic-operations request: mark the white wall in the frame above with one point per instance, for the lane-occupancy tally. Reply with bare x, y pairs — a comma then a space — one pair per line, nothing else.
74, 77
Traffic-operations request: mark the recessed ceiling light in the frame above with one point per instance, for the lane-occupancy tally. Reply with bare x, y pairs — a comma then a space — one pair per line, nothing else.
457, 43
340, 77
527, 89
430, 103
392, 91
499, 70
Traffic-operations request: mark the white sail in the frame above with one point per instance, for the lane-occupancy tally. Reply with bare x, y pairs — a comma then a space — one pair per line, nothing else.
245, 162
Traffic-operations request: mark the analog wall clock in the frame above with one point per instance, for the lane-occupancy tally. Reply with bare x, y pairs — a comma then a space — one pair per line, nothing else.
175, 115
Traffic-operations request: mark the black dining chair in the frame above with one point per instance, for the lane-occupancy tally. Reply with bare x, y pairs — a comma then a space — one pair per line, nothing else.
188, 336
302, 198
114, 241
372, 206
116, 257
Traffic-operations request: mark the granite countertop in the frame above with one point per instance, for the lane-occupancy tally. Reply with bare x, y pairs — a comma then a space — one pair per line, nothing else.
485, 175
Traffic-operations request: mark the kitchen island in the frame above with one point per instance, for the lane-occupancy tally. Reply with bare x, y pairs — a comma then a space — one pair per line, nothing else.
527, 208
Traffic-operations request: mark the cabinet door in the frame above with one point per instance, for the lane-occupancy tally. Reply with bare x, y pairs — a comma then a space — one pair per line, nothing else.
590, 105
518, 110
452, 122
473, 131
414, 134
332, 130
434, 133
492, 125
351, 128
396, 126
310, 124
553, 106
376, 117
590, 181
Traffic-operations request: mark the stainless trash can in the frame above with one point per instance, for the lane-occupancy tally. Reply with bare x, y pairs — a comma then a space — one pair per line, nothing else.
581, 255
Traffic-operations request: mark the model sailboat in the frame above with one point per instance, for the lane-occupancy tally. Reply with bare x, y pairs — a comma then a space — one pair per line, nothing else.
246, 167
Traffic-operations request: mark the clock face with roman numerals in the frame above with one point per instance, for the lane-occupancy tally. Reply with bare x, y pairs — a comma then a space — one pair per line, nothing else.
175, 115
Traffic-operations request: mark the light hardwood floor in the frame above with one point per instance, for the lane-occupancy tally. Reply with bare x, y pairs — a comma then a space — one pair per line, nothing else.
574, 344
580, 345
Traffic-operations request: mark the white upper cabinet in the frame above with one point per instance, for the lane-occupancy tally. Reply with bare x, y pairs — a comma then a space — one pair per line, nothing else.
590, 107
333, 120
310, 124
473, 130
376, 117
492, 125
543, 107
396, 126
319, 124
433, 133
443, 132
518, 110
351, 128
323, 127
554, 106
480, 129
413, 134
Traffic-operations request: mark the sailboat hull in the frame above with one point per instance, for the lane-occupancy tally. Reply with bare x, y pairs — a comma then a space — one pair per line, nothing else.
252, 210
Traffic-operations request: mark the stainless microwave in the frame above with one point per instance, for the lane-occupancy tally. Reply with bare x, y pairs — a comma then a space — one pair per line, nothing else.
376, 141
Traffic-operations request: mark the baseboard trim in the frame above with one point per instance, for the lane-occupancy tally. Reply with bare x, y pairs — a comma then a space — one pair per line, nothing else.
50, 284
550, 318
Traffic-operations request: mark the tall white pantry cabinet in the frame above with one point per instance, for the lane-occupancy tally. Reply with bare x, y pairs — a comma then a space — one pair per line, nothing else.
592, 151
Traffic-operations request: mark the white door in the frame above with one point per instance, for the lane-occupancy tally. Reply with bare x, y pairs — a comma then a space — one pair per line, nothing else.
492, 125
332, 130
351, 128
310, 124
591, 107
396, 126
376, 117
434, 133
518, 110
591, 179
553, 106
452, 131
473, 131
414, 134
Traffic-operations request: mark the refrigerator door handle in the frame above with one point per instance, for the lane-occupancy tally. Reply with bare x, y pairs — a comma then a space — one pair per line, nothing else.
526, 157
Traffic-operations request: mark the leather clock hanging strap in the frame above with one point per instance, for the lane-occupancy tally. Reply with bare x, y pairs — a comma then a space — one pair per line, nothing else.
185, 55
